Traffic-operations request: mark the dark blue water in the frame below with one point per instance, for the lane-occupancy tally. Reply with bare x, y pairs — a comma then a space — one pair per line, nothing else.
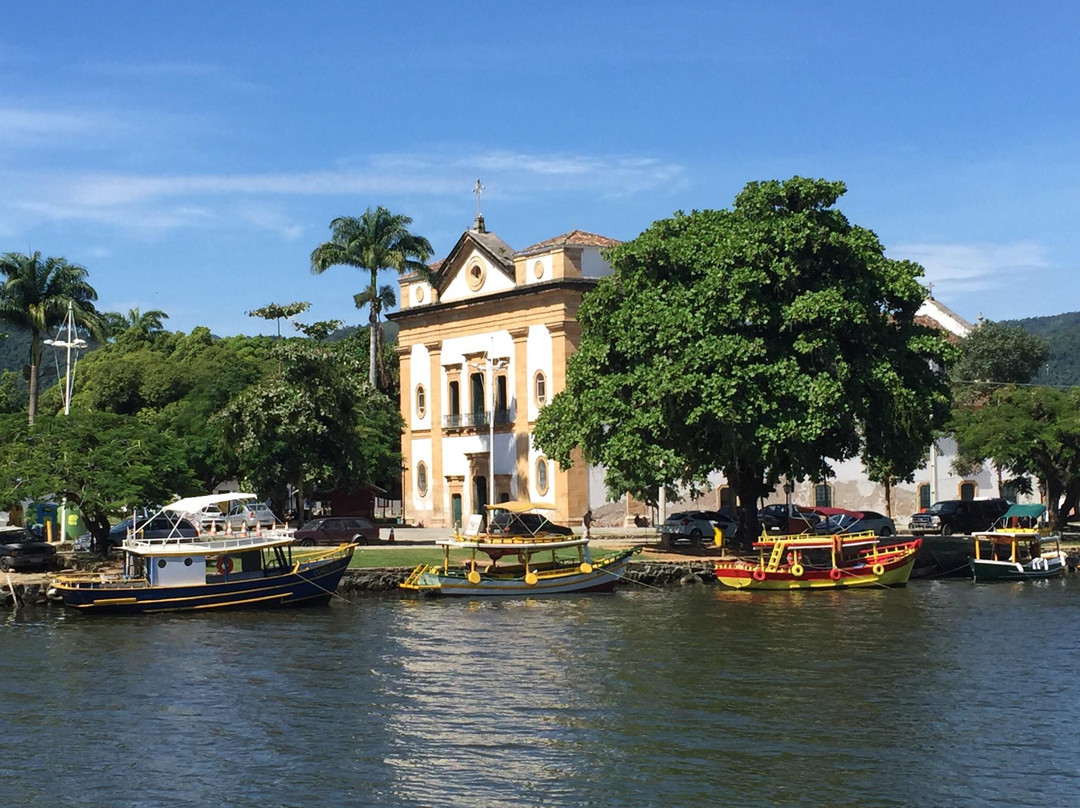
940, 694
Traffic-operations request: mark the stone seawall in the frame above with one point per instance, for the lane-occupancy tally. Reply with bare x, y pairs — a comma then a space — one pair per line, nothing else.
649, 573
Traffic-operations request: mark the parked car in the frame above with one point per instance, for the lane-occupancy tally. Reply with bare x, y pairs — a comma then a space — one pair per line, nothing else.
250, 515
525, 524
209, 518
791, 519
161, 526
963, 516
21, 550
696, 528
857, 522
336, 530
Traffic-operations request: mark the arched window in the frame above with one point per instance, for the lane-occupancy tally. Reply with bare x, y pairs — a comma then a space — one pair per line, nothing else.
924, 496
968, 489
541, 475
540, 387
421, 478
421, 401
823, 495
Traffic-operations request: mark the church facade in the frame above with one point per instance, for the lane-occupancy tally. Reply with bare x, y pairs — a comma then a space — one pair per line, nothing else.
483, 346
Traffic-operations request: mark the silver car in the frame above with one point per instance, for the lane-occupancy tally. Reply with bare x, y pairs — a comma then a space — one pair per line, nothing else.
697, 528
250, 515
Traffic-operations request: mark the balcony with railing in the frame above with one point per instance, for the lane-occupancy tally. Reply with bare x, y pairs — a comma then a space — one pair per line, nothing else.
465, 420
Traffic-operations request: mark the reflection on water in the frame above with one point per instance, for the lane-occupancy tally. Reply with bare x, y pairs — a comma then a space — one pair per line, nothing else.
944, 693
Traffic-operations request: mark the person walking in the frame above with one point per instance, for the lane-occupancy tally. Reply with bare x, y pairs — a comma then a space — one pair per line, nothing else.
586, 520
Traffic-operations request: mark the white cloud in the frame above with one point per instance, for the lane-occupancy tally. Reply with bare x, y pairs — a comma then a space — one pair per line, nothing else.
166, 201
966, 268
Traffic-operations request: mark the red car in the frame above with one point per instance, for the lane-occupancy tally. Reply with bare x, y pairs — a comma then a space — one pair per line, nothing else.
336, 530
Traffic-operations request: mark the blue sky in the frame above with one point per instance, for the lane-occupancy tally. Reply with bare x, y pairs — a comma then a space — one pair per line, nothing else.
191, 155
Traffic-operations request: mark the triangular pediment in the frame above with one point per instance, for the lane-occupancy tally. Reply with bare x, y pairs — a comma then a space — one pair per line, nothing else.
480, 263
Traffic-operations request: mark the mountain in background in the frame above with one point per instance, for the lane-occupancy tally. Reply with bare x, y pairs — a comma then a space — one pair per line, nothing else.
1062, 332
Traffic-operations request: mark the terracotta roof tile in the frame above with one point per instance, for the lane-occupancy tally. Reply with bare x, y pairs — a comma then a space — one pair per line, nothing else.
576, 238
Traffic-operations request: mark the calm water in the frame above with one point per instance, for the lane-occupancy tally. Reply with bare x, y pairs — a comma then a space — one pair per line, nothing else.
941, 694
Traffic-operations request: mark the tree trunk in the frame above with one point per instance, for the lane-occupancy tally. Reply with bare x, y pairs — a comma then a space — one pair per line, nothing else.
34, 375
888, 496
748, 482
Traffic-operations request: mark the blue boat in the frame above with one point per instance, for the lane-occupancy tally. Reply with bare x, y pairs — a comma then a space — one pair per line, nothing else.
207, 572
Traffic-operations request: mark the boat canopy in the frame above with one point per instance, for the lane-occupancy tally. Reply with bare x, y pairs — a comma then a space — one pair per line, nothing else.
194, 504
1030, 511
521, 507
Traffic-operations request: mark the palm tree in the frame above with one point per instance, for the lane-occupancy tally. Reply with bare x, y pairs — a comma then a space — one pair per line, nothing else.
145, 323
379, 301
376, 240
35, 295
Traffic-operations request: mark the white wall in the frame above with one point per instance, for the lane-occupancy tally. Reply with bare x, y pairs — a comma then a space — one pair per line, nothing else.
592, 263
420, 373
539, 352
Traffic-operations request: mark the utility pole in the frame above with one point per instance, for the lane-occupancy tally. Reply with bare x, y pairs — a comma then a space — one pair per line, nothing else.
72, 341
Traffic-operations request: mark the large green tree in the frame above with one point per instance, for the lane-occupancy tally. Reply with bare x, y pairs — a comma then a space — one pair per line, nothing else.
317, 423
99, 462
994, 354
760, 342
374, 241
1029, 431
36, 294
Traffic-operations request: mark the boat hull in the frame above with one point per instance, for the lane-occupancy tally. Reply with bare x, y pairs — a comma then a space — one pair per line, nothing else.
306, 584
603, 577
983, 570
894, 571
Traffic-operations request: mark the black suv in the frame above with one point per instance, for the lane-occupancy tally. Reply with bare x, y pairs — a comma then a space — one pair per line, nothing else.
963, 516
22, 550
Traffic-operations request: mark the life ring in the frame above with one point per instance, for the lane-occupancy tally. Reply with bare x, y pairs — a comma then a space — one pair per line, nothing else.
224, 564
758, 574
835, 573
878, 569
797, 570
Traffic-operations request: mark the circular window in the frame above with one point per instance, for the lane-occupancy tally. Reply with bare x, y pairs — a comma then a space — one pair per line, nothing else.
419, 295
421, 401
421, 478
187, 562
161, 562
475, 275
540, 388
541, 475
538, 269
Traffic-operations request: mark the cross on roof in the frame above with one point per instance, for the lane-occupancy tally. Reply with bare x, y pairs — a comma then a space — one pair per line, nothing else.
478, 189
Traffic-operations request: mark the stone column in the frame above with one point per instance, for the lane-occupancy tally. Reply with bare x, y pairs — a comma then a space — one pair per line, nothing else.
571, 487
436, 485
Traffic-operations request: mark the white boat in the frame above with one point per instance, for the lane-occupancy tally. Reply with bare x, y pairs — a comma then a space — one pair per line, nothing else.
207, 572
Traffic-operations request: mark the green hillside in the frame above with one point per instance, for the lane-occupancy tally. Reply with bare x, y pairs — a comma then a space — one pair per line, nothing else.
1062, 332
15, 354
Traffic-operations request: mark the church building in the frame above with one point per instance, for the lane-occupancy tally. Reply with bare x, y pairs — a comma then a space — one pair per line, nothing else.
482, 348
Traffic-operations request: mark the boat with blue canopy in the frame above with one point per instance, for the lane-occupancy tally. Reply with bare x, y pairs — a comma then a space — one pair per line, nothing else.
1018, 548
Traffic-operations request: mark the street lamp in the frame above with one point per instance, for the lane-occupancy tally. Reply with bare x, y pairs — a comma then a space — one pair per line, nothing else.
72, 341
